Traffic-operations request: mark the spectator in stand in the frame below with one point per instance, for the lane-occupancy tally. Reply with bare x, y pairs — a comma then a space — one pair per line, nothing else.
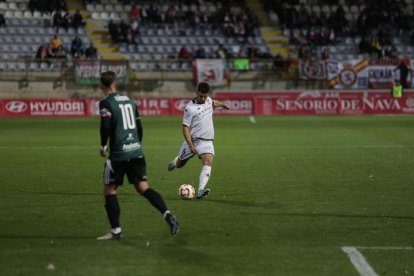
363, 46
43, 52
242, 52
325, 54
200, 52
278, 63
130, 37
312, 36
135, 12
77, 49
123, 29
134, 27
56, 45
153, 14
404, 70
113, 31
390, 51
303, 16
66, 20
376, 47
184, 53
77, 20
2, 20
221, 52
296, 37
171, 15
91, 52
332, 37
57, 20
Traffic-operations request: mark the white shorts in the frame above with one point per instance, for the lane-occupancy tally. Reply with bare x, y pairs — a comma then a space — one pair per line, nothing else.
202, 147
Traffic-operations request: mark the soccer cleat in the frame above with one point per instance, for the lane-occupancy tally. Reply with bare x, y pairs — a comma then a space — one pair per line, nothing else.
110, 236
202, 193
171, 165
172, 222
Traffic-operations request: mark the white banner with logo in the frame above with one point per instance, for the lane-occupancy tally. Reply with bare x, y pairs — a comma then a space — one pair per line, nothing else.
364, 73
213, 71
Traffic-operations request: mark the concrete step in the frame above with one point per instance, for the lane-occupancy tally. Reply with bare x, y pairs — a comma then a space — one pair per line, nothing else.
100, 40
279, 50
113, 56
102, 48
271, 33
276, 40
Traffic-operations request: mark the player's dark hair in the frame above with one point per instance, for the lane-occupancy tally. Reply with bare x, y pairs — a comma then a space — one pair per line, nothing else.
107, 78
203, 87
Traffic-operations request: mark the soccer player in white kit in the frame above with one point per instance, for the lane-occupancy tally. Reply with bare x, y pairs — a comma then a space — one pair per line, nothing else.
198, 131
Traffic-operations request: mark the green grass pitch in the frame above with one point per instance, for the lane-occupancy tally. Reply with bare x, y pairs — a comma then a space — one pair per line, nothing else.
287, 193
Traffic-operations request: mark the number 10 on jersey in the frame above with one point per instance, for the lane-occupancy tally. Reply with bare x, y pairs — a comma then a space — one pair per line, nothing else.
127, 116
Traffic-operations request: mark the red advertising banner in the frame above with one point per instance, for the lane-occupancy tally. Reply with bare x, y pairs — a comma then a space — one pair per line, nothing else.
246, 103
176, 106
321, 103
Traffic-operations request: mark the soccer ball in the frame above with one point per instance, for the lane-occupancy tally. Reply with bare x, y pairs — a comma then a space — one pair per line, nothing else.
186, 191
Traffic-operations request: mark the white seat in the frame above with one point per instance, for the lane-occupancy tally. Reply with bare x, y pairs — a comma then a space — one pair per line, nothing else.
34, 66
12, 6
37, 14
99, 8
316, 9
127, 8
114, 16
354, 9
18, 14
119, 8
104, 16
89, 8
108, 8
27, 14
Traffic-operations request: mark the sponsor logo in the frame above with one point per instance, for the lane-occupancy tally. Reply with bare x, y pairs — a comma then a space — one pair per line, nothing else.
152, 103
57, 108
16, 106
347, 77
131, 146
181, 104
410, 102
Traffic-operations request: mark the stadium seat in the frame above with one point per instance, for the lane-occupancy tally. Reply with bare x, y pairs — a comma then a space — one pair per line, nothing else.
109, 8
99, 8
12, 6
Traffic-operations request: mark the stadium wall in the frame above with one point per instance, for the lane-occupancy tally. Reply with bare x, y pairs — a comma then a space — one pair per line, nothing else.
145, 84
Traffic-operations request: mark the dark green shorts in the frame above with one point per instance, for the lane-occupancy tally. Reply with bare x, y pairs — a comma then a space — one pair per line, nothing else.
135, 169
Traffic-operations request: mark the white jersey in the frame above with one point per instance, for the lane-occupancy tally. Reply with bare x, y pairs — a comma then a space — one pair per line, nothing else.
199, 117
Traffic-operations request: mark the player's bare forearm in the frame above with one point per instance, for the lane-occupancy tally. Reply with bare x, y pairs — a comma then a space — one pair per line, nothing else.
217, 103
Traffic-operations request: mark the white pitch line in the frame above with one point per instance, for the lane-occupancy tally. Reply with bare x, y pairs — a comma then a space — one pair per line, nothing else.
385, 247
246, 147
359, 261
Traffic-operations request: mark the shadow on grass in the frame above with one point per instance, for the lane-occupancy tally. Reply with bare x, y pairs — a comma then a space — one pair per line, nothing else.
312, 215
62, 193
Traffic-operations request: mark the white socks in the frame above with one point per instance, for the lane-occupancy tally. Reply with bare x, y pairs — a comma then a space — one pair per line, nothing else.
116, 231
166, 214
175, 161
204, 177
